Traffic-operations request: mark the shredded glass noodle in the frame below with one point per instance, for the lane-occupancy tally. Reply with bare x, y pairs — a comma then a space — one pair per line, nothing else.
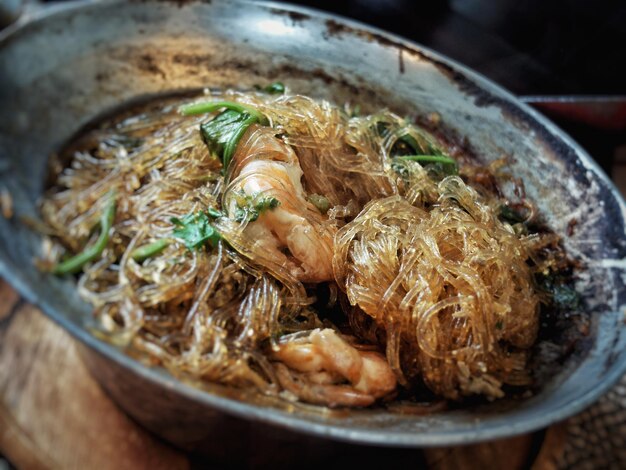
434, 287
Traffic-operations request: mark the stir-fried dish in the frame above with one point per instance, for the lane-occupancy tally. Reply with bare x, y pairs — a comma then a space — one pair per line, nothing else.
272, 241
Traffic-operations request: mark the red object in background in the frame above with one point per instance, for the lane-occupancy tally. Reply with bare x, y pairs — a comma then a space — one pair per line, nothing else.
601, 112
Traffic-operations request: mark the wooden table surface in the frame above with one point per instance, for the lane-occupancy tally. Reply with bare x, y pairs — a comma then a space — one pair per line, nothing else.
54, 415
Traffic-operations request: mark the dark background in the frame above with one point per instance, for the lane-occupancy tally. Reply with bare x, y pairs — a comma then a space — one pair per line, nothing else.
528, 46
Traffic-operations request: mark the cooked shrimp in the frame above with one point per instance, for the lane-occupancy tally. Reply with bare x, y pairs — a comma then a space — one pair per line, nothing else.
316, 369
292, 233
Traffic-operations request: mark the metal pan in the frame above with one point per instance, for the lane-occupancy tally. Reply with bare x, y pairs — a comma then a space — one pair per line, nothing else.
63, 66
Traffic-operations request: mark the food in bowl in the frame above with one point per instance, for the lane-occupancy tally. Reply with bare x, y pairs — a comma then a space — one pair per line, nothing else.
271, 241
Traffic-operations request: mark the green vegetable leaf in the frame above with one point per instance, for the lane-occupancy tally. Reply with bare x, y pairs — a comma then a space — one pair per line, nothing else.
511, 215
415, 144
446, 165
562, 294
76, 263
212, 106
222, 134
418, 143
321, 202
151, 249
195, 230
251, 207
214, 213
565, 297
408, 141
276, 88
412, 141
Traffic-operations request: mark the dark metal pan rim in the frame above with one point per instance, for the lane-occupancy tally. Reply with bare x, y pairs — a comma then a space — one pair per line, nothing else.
490, 428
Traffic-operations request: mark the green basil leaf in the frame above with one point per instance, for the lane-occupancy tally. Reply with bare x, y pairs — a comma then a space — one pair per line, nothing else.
195, 230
